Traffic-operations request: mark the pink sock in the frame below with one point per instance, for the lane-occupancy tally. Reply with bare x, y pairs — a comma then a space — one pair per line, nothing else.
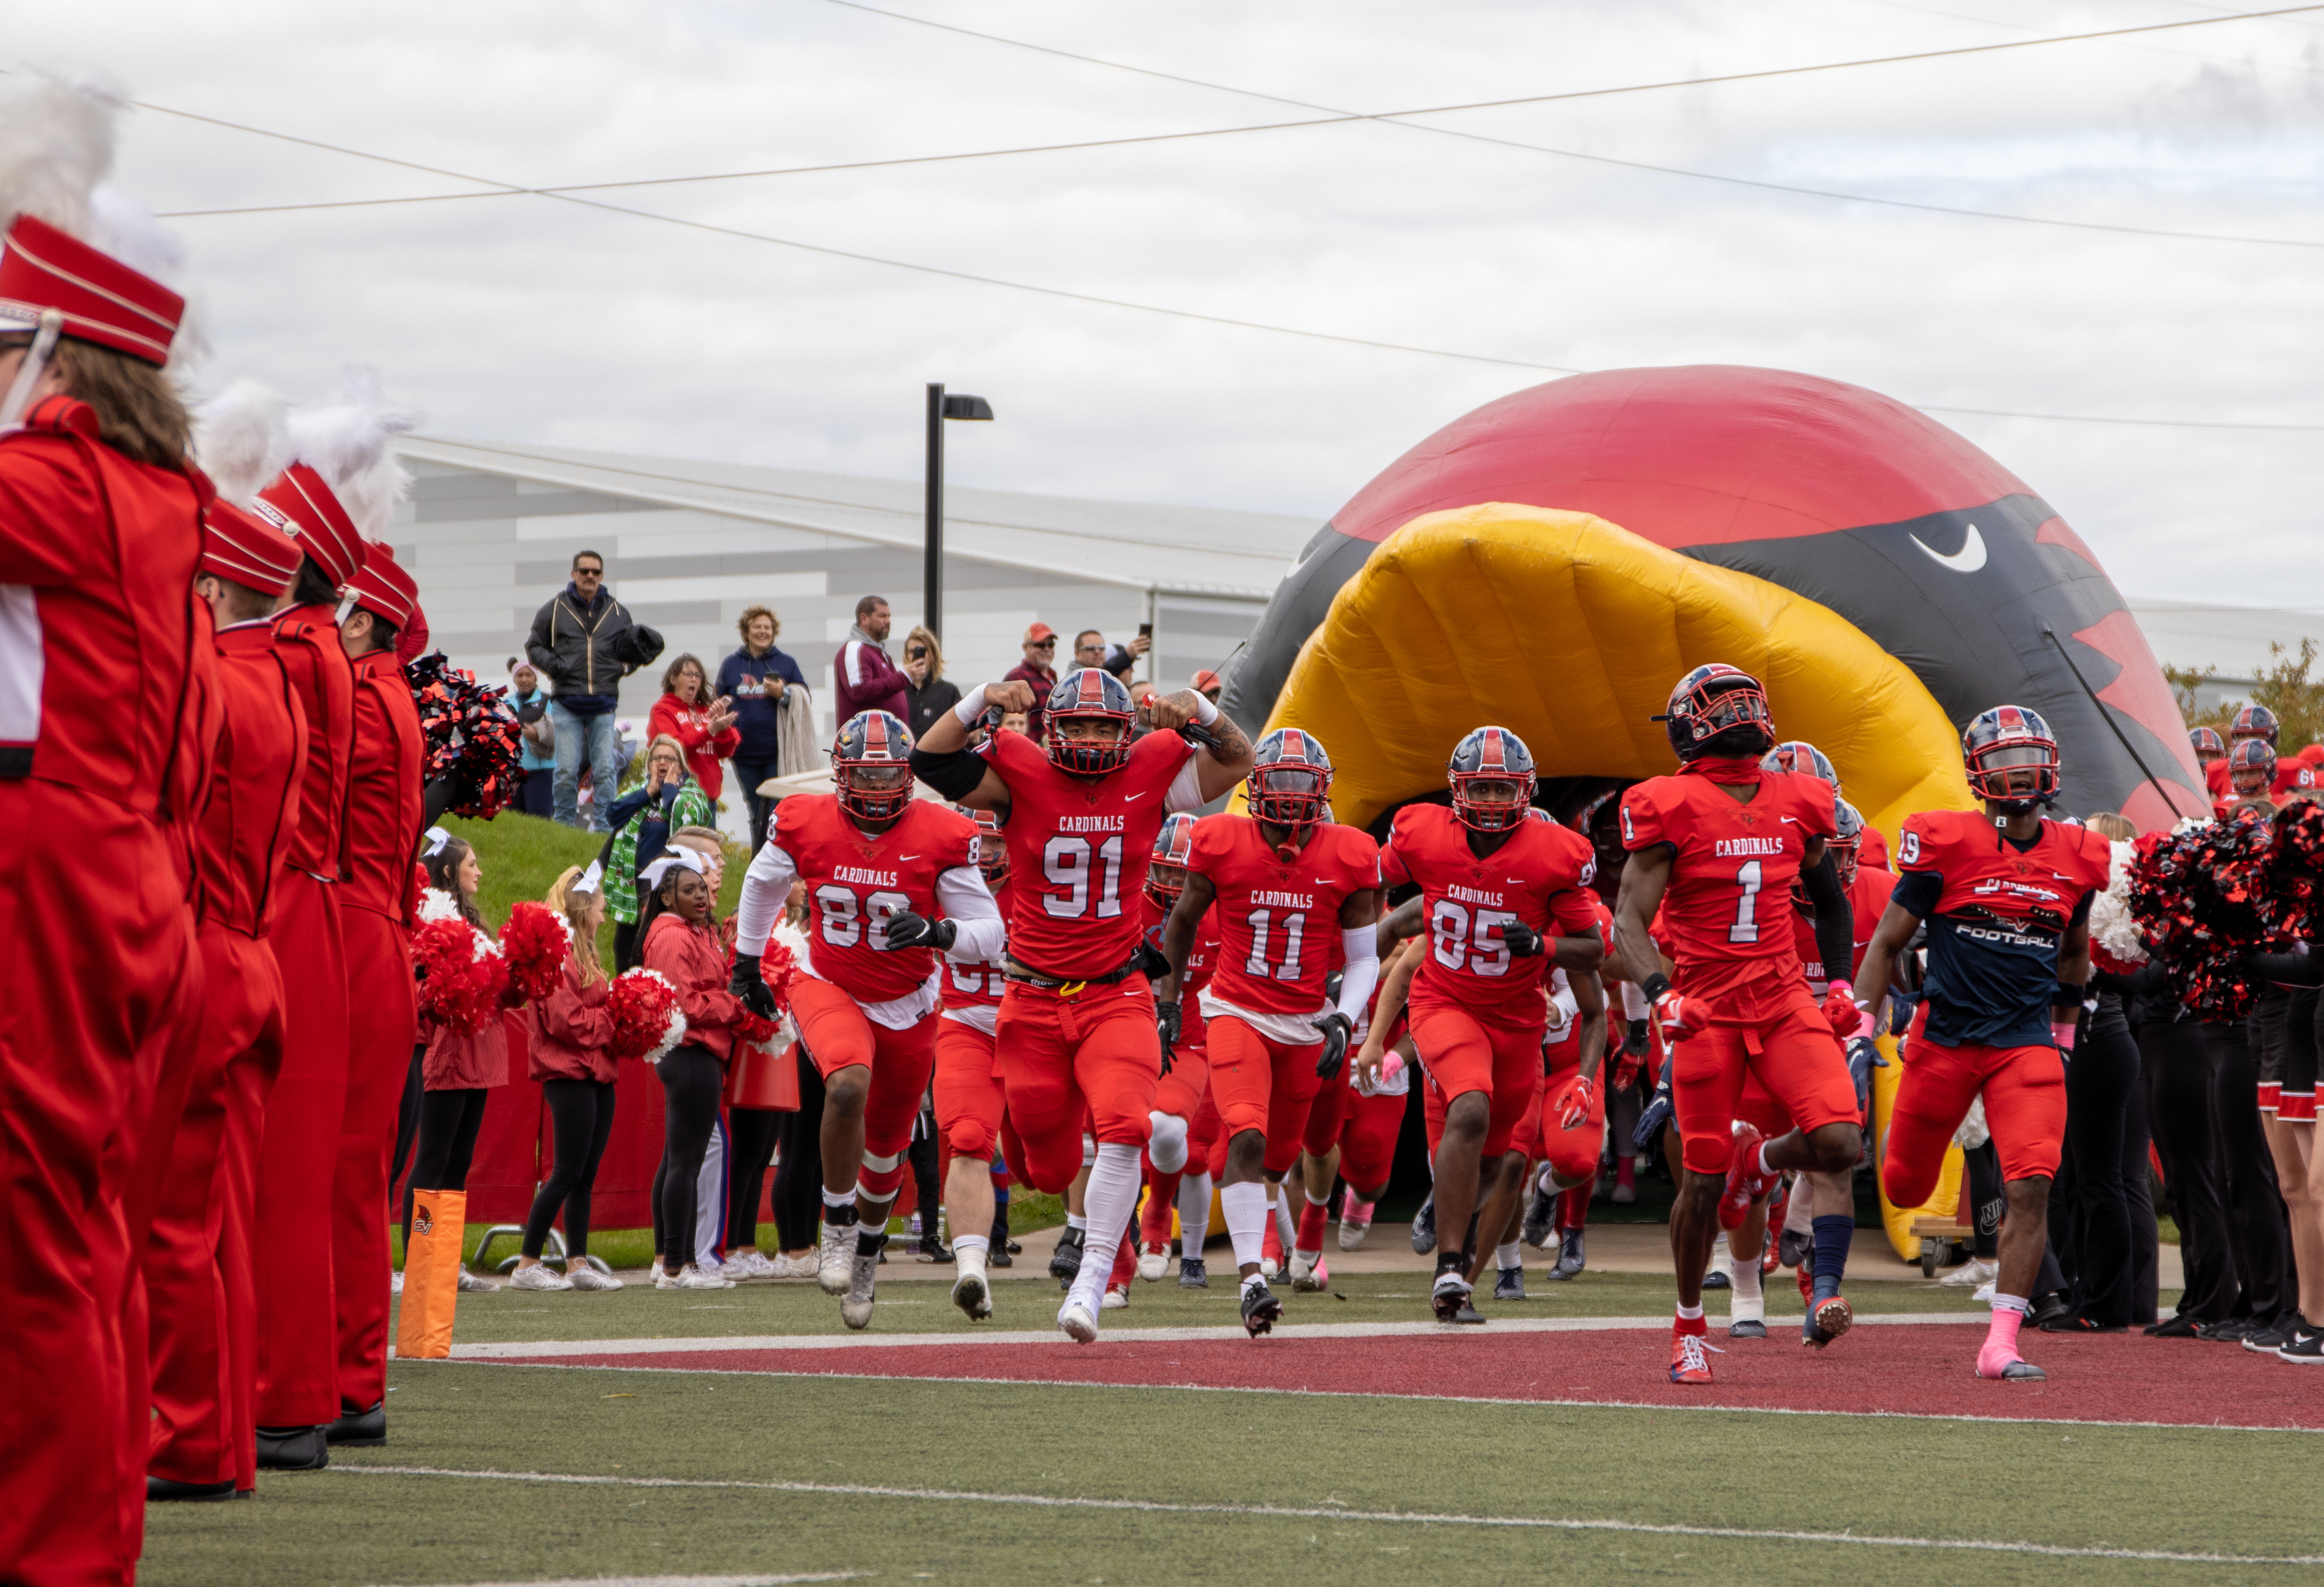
1625, 1170
2000, 1343
1311, 1226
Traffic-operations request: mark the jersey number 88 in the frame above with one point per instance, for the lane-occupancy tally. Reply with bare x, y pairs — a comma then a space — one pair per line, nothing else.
841, 915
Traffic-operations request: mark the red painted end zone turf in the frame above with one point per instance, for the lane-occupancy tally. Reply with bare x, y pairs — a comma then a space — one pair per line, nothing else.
1909, 1370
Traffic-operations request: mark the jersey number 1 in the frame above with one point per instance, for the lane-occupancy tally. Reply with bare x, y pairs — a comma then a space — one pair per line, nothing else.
1746, 925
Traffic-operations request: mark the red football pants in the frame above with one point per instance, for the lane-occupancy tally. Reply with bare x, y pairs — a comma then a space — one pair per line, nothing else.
1264, 1084
1183, 1091
1095, 1053
839, 1035
2024, 1091
298, 1161
99, 975
197, 1255
1463, 1054
1793, 1055
383, 1020
1571, 1154
968, 1093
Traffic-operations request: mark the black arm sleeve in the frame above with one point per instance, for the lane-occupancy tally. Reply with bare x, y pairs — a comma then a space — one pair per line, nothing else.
2288, 969
1835, 921
954, 773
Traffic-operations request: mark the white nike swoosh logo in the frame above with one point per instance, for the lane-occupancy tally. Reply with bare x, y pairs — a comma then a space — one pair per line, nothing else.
1968, 559
901, 858
1128, 798
1789, 820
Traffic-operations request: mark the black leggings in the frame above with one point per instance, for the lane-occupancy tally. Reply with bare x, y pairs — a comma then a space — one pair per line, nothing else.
1986, 1199
750, 1146
581, 1115
799, 1176
407, 1114
692, 1078
2255, 1209
2099, 1081
448, 1122
2178, 1074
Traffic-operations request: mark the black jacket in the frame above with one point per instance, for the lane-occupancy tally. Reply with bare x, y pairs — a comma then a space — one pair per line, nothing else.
584, 651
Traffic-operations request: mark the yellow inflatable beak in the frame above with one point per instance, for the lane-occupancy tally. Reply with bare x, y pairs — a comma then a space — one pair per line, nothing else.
1570, 631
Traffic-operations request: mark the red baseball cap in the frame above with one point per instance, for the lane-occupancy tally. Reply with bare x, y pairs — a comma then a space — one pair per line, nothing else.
1039, 631
1205, 680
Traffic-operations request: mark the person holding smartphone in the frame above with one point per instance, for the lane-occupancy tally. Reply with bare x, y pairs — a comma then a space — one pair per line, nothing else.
927, 692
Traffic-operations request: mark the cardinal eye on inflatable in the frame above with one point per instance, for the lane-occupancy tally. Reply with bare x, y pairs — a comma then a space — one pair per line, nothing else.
1553, 561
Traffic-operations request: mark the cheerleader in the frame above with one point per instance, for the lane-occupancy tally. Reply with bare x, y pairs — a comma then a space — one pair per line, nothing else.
457, 1072
680, 944
571, 1055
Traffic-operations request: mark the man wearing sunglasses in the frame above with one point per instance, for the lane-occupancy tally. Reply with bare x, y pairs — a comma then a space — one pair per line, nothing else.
1038, 670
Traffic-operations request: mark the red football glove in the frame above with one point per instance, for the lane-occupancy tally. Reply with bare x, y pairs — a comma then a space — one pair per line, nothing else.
1847, 1017
1681, 1016
1625, 1071
1572, 1102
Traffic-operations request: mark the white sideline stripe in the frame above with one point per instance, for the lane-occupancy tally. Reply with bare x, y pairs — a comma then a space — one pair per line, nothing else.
569, 1347
1344, 1513
682, 1581
1497, 1400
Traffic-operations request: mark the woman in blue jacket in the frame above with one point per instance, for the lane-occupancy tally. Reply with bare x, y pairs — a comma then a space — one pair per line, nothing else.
755, 677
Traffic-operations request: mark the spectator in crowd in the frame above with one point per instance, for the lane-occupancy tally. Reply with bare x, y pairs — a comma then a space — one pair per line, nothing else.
758, 678
642, 824
1040, 649
1017, 722
585, 643
1090, 650
704, 728
1208, 685
927, 694
535, 795
867, 679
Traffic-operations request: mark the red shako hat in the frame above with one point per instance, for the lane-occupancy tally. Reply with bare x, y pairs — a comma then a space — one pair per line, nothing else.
301, 505
102, 300
238, 545
382, 588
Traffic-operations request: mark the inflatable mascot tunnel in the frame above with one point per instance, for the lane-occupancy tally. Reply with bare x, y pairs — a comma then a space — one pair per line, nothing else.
1556, 560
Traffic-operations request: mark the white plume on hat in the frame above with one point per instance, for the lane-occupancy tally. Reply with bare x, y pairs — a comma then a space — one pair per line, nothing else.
242, 439
350, 445
57, 140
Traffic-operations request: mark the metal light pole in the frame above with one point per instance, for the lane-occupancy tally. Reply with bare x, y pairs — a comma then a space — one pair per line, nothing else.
940, 408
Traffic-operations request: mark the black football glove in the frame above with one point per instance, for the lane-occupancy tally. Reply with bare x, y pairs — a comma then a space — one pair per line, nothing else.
1657, 1114
1152, 962
1169, 1019
746, 983
1337, 1027
1634, 1039
908, 930
1525, 942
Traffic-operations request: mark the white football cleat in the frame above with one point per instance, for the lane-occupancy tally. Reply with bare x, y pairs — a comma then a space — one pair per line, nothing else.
1078, 1321
1153, 1262
1303, 1265
1355, 1223
834, 1256
855, 1308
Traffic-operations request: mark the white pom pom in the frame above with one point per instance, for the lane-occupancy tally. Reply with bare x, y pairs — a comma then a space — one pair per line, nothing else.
242, 439
2112, 926
436, 904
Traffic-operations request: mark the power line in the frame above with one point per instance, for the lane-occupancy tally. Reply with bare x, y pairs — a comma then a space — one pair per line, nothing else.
1330, 117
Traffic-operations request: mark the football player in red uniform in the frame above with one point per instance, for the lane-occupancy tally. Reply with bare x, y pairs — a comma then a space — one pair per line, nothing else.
1503, 897
2006, 894
1178, 1153
1077, 1027
1716, 849
891, 880
1284, 879
968, 1088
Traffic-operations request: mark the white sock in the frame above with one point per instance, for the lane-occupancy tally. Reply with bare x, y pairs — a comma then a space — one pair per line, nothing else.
1746, 1275
1751, 1308
1546, 1182
1076, 1221
1245, 1207
1168, 1144
1279, 1206
1114, 1183
1689, 1314
1506, 1256
1718, 1257
839, 1198
1194, 1214
969, 1252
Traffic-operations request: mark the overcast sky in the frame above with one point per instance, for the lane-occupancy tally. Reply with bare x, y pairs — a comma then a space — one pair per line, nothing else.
531, 319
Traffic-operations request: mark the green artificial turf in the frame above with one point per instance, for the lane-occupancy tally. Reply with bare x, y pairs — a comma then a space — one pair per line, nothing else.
2181, 1489
521, 855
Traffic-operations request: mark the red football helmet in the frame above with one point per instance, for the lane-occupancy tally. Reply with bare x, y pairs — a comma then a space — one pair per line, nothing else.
1490, 755
2253, 762
871, 766
2254, 722
1719, 710
1290, 783
2207, 744
991, 846
1848, 848
1088, 694
1174, 847
2010, 738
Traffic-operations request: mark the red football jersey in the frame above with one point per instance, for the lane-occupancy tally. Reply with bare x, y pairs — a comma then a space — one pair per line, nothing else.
856, 884
976, 984
1727, 907
1984, 875
1541, 876
1202, 961
1278, 922
1078, 851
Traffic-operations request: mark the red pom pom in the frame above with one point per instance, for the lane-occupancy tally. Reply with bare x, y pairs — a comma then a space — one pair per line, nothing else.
535, 943
776, 968
462, 975
648, 1022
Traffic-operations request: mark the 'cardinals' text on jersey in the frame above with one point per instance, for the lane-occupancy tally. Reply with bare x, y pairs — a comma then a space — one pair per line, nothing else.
1539, 876
1728, 905
1079, 847
855, 884
1278, 920
1997, 916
